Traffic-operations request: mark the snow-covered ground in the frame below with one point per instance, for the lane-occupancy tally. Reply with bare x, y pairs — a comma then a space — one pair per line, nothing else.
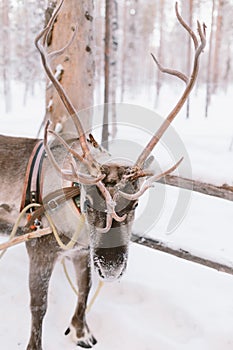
162, 302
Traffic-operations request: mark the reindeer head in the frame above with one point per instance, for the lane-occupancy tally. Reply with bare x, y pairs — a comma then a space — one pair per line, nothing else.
110, 232
110, 191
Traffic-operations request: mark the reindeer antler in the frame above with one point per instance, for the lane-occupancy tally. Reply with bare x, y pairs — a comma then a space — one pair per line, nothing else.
190, 81
40, 43
149, 183
87, 159
67, 174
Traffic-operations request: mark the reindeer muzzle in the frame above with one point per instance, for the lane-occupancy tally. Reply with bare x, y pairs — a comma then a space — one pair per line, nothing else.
110, 263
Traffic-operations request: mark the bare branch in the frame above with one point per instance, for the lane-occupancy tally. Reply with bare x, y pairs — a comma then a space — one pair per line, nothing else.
223, 191
183, 254
23, 238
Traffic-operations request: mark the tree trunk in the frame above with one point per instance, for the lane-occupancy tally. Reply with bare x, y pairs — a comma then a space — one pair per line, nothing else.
6, 49
160, 53
76, 64
189, 51
218, 39
129, 80
124, 54
226, 76
105, 131
209, 65
114, 66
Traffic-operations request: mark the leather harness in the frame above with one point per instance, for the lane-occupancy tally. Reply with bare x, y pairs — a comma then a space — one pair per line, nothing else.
32, 185
32, 190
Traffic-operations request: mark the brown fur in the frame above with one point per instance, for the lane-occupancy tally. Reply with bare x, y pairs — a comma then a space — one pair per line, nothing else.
108, 252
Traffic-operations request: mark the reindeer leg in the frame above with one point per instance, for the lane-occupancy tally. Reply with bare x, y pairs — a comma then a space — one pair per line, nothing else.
41, 267
78, 328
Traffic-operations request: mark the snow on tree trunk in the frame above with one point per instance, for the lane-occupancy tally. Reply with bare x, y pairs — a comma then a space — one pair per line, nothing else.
75, 67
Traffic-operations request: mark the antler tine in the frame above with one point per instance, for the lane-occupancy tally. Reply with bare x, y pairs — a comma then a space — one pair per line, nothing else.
67, 174
189, 85
59, 52
149, 183
50, 155
186, 26
69, 149
175, 72
92, 164
83, 178
111, 213
202, 34
73, 152
47, 29
108, 225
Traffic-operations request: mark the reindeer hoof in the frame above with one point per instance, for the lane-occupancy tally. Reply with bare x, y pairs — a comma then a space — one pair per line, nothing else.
67, 331
87, 341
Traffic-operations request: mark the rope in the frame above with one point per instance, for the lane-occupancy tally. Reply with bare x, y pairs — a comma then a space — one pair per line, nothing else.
16, 225
100, 285
67, 246
93, 299
68, 277
74, 238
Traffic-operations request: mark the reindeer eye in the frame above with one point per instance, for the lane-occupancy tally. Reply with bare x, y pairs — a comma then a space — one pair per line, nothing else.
135, 205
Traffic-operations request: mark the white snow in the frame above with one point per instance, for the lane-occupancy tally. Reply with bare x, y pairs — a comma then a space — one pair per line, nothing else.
162, 302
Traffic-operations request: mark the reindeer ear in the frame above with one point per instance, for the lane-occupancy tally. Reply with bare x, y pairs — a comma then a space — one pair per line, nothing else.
148, 162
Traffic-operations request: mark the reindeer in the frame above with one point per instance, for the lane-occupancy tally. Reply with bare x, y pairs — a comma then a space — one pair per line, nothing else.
109, 193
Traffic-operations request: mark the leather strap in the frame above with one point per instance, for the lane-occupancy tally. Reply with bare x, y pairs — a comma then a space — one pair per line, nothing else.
34, 159
54, 200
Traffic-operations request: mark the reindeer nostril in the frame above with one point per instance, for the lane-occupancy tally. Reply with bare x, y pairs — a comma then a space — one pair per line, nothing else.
110, 263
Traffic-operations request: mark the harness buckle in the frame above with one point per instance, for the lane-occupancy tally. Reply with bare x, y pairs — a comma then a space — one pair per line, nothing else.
52, 204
